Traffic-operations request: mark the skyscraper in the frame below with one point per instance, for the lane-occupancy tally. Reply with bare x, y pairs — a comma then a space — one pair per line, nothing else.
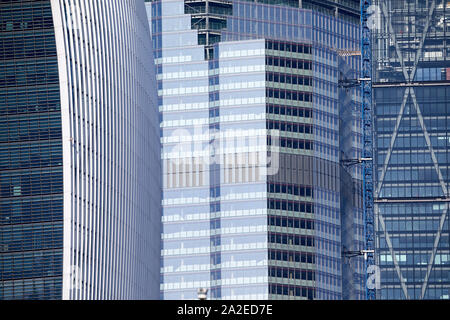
79, 151
254, 126
412, 110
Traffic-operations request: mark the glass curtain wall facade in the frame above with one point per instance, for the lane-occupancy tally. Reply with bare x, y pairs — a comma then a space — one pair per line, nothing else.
345, 9
31, 163
412, 112
250, 128
79, 152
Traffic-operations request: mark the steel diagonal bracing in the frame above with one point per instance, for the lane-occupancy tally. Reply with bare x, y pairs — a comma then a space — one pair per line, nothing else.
392, 143
444, 190
408, 78
410, 92
425, 31
433, 253
427, 139
394, 258
394, 39
379, 215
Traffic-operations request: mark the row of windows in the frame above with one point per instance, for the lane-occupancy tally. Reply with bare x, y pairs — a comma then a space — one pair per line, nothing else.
30, 79
288, 47
286, 205
28, 67
29, 100
416, 242
30, 75
423, 175
200, 7
415, 174
18, 211
29, 95
416, 159
27, 47
30, 17
410, 209
412, 191
416, 275
289, 126
33, 269
49, 288
288, 95
411, 126
291, 143
32, 265
30, 156
290, 222
289, 111
26, 21
289, 63
430, 294
30, 106
214, 24
31, 237
271, 77
292, 256
410, 225
291, 239
292, 189
31, 184
290, 290
288, 79
424, 94
413, 142
291, 273
426, 108
40, 127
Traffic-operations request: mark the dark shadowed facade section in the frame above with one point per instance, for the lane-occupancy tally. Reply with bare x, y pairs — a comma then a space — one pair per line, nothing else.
31, 180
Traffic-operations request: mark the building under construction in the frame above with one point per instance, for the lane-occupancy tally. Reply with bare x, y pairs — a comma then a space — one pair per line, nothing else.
264, 67
209, 17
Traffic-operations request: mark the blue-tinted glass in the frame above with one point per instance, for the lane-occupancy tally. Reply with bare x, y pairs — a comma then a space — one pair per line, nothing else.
30, 154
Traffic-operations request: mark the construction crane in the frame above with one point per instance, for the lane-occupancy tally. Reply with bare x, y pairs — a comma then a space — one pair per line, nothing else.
365, 81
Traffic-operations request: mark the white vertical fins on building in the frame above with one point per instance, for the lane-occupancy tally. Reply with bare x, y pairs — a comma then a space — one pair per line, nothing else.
111, 150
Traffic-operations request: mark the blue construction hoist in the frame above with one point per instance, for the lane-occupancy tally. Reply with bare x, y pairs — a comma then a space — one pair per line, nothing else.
367, 153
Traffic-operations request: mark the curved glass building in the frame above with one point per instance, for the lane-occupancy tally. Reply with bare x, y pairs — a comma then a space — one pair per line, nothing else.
79, 151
